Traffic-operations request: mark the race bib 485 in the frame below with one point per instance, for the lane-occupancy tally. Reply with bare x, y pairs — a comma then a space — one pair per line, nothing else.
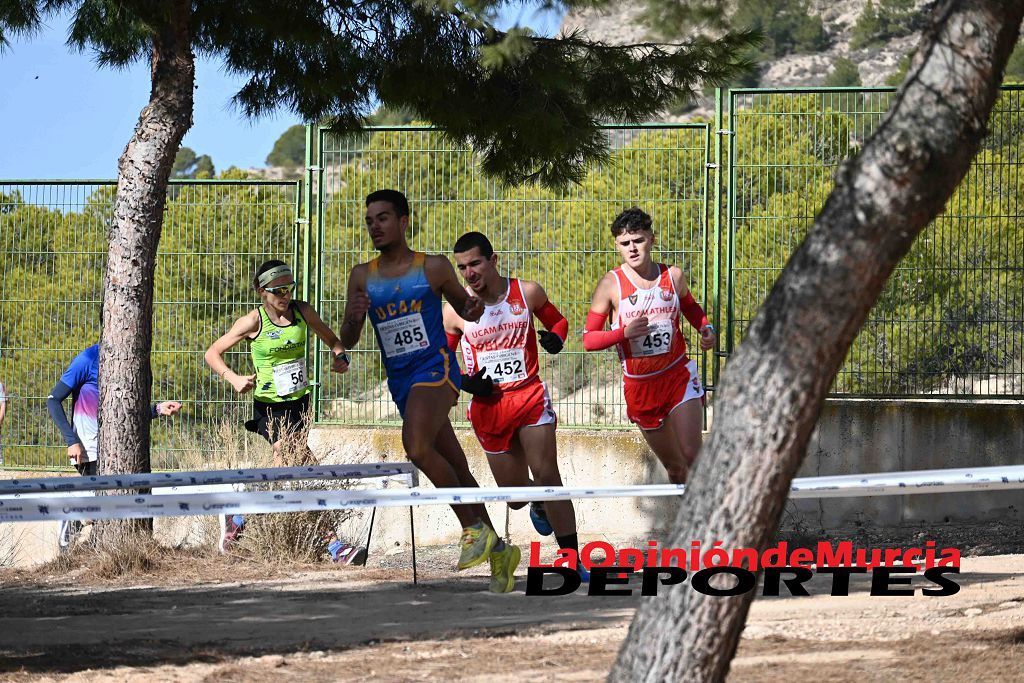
403, 335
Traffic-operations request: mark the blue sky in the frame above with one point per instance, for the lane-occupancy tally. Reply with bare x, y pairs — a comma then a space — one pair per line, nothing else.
63, 117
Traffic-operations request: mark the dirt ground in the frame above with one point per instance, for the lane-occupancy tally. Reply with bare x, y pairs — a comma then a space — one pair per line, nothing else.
201, 617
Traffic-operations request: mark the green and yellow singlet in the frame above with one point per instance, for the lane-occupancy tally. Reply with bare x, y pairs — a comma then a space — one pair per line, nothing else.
279, 356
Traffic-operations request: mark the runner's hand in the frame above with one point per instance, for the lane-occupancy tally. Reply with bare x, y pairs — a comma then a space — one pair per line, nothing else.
242, 383
168, 408
341, 361
551, 342
707, 338
638, 327
358, 307
473, 309
477, 384
76, 452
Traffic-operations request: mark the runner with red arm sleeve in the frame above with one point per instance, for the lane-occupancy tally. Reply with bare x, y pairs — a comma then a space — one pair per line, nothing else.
645, 301
511, 410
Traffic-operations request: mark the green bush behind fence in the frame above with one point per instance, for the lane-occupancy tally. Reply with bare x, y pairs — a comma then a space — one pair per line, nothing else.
950, 322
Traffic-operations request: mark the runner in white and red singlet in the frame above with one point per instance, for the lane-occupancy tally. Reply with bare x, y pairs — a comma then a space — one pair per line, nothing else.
646, 300
511, 411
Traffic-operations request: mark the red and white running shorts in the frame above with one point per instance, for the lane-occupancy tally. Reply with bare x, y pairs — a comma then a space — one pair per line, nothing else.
650, 400
497, 418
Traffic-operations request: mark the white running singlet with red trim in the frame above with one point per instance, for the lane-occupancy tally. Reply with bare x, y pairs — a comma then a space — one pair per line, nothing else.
503, 341
664, 345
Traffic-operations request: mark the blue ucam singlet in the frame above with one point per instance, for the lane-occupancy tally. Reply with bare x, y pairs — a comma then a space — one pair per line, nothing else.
406, 316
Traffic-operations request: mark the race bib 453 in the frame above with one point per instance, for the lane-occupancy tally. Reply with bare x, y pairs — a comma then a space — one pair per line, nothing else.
657, 341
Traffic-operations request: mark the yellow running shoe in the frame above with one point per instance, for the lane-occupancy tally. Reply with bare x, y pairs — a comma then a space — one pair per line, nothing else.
503, 568
476, 545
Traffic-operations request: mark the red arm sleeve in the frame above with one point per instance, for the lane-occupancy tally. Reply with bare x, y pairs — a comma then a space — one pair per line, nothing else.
596, 338
553, 320
453, 340
693, 312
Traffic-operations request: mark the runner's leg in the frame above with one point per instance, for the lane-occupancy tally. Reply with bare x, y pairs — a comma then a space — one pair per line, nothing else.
510, 469
541, 453
665, 445
686, 420
426, 413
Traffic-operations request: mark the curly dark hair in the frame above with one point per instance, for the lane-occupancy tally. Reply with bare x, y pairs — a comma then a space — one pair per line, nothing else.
394, 197
474, 239
631, 220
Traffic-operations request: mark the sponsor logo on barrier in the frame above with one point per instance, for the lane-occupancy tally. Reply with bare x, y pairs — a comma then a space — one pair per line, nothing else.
80, 509
221, 506
709, 570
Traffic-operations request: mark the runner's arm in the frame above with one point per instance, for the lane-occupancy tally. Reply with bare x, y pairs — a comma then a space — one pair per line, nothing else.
357, 304
595, 337
688, 306
693, 313
321, 328
55, 406
452, 326
244, 328
550, 317
442, 278
164, 409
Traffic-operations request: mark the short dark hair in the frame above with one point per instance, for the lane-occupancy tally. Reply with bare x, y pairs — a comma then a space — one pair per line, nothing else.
631, 220
474, 239
393, 197
264, 267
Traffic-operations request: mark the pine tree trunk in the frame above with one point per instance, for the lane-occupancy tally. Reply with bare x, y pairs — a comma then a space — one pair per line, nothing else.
143, 171
774, 385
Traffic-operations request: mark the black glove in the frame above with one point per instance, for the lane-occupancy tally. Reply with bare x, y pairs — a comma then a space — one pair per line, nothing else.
477, 384
551, 342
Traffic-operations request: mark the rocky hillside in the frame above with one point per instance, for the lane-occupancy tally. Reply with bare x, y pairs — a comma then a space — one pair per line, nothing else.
875, 63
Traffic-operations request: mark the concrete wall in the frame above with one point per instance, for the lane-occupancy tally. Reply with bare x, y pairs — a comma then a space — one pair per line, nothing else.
597, 458
23, 544
861, 435
852, 436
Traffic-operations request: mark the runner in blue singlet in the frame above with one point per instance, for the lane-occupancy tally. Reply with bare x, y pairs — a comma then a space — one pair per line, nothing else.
400, 291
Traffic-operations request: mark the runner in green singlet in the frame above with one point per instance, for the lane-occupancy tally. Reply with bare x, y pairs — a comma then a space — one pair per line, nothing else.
277, 333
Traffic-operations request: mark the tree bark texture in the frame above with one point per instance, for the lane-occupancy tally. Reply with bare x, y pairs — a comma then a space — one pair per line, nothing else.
125, 377
774, 385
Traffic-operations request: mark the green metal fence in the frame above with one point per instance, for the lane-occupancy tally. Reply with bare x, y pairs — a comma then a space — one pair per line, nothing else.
950, 322
951, 319
53, 249
559, 239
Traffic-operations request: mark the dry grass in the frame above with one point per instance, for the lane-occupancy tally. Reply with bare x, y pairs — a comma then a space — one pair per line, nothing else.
271, 541
273, 538
129, 558
294, 536
10, 541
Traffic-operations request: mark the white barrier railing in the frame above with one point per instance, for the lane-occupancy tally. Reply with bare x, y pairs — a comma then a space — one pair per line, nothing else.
35, 507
